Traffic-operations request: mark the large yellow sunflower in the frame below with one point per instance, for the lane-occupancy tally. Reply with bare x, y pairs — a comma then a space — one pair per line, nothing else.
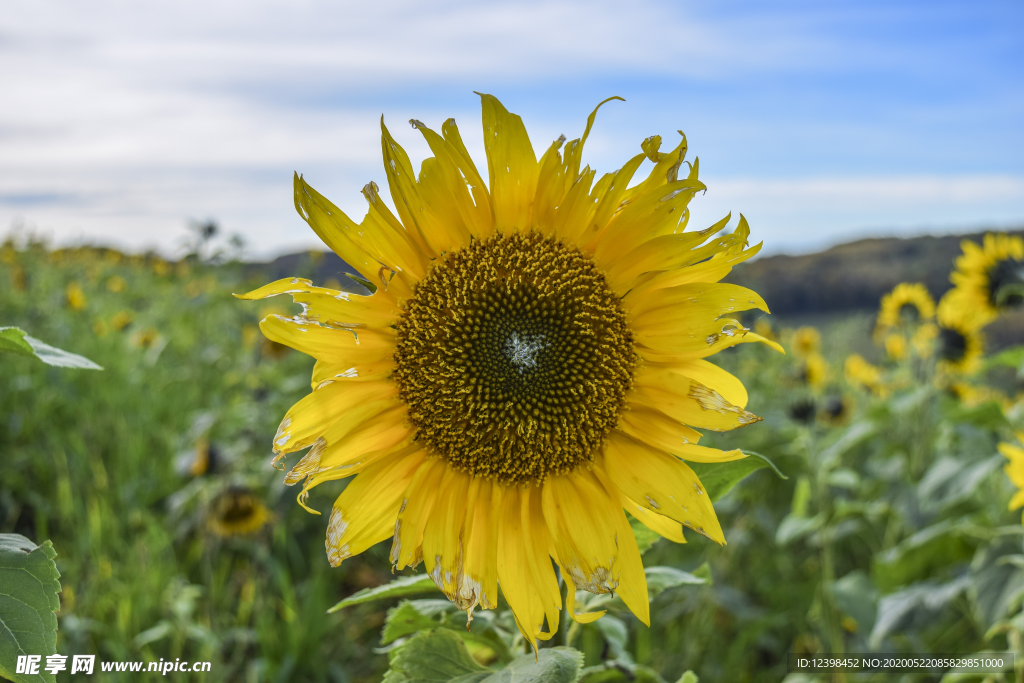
530, 364
989, 278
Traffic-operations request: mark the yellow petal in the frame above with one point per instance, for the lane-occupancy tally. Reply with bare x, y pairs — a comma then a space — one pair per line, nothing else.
579, 517
417, 504
338, 231
479, 585
442, 536
366, 510
333, 411
632, 579
687, 401
514, 574
536, 541
654, 427
711, 376
659, 524
570, 604
467, 191
661, 483
324, 343
697, 301
511, 164
327, 371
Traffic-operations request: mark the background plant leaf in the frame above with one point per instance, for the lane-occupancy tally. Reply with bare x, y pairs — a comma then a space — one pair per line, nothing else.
719, 478
29, 583
14, 340
417, 584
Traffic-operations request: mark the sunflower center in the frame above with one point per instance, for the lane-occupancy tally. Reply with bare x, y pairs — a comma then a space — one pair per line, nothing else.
910, 313
514, 358
1007, 274
952, 344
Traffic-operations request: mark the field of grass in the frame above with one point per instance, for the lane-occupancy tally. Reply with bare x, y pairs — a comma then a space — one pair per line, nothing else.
176, 538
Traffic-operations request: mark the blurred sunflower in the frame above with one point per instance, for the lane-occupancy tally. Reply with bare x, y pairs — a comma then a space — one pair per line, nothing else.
896, 346
906, 306
802, 410
989, 278
74, 296
530, 362
814, 370
1015, 469
860, 373
144, 339
836, 410
960, 343
122, 319
238, 511
806, 341
116, 284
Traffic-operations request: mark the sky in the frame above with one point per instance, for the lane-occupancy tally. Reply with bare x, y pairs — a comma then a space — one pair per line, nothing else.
820, 122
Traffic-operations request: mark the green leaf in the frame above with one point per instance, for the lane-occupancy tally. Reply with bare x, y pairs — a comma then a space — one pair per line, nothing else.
688, 677
440, 655
614, 632
417, 584
405, 620
645, 538
29, 583
14, 340
1012, 357
620, 671
794, 527
718, 478
662, 578
435, 656
553, 665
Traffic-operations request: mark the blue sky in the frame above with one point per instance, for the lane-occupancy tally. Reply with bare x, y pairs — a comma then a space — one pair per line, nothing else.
821, 122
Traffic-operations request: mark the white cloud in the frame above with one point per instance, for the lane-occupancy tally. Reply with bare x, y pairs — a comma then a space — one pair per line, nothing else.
122, 120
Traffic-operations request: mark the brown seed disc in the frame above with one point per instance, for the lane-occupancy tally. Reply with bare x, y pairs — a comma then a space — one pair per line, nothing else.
514, 358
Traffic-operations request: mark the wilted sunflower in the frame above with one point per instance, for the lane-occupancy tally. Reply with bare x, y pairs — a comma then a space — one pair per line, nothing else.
989, 278
906, 306
530, 362
1015, 470
238, 511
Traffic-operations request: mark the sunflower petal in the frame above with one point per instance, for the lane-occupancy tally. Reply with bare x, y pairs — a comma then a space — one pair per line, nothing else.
365, 512
661, 483
512, 166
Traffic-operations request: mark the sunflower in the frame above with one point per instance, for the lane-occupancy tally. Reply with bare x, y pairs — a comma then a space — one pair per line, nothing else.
860, 373
906, 306
989, 278
806, 341
1015, 469
530, 363
814, 370
74, 296
960, 343
896, 346
836, 410
238, 511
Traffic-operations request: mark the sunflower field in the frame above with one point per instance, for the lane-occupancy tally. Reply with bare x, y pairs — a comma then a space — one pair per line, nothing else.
861, 488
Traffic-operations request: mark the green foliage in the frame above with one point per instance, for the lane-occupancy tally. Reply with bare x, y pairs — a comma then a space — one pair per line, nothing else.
29, 583
14, 340
416, 584
720, 477
440, 655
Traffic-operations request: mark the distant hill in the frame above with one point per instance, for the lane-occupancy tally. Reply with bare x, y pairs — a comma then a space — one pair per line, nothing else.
852, 276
